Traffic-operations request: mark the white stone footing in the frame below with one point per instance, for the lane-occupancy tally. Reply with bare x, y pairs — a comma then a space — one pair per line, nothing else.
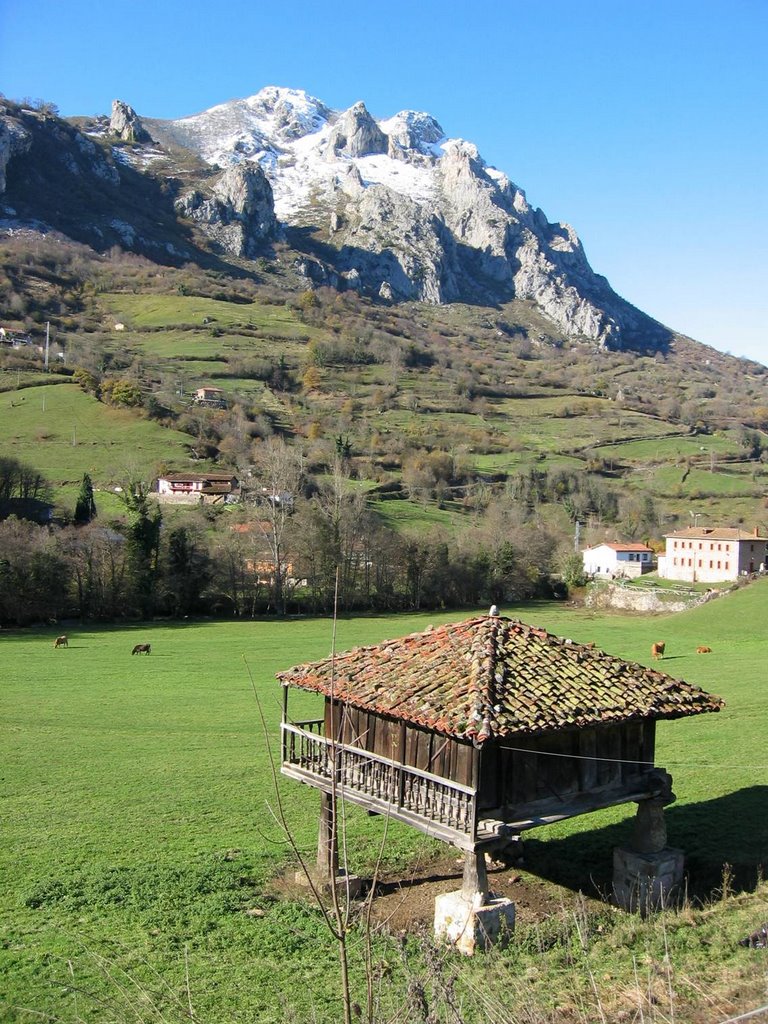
473, 923
647, 881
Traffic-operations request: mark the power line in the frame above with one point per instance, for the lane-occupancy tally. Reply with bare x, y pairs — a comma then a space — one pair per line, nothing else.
620, 760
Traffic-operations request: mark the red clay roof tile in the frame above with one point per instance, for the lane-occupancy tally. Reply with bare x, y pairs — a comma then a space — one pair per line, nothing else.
494, 676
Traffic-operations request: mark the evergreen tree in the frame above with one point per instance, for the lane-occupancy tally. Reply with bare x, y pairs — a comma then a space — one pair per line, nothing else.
85, 507
187, 571
143, 548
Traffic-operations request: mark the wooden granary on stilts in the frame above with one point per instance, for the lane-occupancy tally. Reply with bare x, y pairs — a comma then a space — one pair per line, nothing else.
476, 731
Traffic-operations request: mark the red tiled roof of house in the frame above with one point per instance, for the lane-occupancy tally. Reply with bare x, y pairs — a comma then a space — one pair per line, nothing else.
498, 677
622, 547
213, 477
715, 533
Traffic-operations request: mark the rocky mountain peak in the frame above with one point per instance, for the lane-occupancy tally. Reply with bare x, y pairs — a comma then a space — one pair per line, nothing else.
414, 130
293, 112
389, 207
356, 134
126, 124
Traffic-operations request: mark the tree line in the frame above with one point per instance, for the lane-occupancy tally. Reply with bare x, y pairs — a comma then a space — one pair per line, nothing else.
288, 548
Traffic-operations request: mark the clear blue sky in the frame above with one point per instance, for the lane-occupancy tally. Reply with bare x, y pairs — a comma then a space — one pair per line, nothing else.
640, 122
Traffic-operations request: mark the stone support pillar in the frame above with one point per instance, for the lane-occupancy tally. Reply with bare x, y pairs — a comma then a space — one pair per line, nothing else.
648, 874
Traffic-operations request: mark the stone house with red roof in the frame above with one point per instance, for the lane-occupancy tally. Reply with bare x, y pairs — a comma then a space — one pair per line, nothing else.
707, 554
614, 561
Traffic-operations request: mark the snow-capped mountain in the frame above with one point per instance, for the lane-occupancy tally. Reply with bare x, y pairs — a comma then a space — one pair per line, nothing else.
390, 207
409, 213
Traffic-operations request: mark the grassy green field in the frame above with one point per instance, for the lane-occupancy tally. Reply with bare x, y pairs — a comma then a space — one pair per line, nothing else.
64, 433
168, 310
138, 826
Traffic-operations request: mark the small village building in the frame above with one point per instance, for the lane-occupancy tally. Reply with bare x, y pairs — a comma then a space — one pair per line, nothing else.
213, 398
707, 554
198, 488
616, 561
477, 731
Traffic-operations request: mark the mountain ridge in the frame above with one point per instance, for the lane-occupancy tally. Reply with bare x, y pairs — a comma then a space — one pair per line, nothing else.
388, 207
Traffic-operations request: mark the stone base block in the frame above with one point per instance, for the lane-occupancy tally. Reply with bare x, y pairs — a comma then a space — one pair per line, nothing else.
647, 881
352, 884
470, 924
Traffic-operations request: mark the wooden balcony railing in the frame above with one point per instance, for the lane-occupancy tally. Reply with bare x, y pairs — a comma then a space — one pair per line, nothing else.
439, 806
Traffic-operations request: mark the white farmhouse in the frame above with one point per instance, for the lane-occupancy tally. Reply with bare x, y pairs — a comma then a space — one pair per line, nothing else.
713, 554
198, 488
612, 561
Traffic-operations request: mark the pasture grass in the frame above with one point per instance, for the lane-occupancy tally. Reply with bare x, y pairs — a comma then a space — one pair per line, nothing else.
669, 479
663, 449
139, 311
138, 827
63, 433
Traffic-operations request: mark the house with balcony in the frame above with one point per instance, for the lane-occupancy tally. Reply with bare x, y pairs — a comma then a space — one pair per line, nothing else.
713, 554
616, 561
198, 488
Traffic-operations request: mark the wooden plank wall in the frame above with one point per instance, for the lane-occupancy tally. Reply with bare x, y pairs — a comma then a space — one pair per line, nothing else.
522, 769
513, 772
407, 744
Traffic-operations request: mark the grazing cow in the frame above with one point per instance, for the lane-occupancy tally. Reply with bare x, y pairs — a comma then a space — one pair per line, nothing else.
60, 641
703, 650
142, 649
657, 650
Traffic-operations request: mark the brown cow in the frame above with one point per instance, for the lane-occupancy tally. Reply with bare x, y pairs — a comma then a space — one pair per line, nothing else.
703, 650
142, 649
60, 641
657, 650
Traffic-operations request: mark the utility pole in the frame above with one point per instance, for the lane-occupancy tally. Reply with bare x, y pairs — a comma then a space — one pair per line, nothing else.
47, 341
577, 537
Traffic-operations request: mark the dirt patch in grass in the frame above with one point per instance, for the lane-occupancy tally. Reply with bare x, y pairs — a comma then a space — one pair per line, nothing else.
404, 902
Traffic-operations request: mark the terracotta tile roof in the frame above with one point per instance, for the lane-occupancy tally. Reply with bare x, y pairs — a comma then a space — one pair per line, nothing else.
715, 533
492, 676
622, 547
195, 477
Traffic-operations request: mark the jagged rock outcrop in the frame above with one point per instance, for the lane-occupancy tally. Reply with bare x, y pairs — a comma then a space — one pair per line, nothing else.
239, 214
15, 140
126, 124
414, 131
356, 134
388, 237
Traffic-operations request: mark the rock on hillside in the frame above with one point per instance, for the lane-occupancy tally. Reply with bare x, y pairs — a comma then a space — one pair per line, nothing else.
126, 125
14, 141
239, 212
